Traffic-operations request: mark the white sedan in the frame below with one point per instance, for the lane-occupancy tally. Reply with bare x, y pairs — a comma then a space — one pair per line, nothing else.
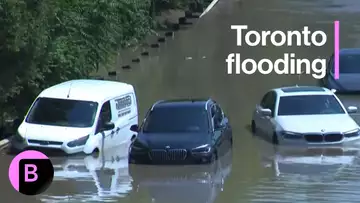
304, 115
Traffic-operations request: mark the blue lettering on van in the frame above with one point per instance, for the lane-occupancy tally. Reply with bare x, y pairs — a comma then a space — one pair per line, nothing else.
123, 102
123, 113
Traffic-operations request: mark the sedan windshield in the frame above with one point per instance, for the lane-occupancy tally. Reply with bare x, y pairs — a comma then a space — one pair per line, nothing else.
309, 105
349, 63
176, 120
62, 112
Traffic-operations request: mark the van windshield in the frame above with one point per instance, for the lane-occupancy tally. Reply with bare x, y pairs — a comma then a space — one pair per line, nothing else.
62, 112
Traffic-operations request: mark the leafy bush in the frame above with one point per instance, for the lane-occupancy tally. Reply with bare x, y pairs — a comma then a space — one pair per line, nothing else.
46, 42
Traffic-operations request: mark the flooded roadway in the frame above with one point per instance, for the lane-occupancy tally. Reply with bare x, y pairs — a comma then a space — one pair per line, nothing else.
193, 65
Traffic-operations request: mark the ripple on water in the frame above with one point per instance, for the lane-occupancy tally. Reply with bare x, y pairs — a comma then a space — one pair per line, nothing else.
347, 6
90, 179
337, 180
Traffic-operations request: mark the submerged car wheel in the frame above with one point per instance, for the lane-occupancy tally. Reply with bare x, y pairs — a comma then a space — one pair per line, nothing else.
12, 150
253, 127
213, 158
275, 139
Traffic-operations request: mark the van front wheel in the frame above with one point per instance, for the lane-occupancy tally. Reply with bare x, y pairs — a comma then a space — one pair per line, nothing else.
95, 153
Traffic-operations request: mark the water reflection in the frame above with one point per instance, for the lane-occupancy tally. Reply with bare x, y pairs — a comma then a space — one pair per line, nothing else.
289, 161
102, 178
309, 175
198, 184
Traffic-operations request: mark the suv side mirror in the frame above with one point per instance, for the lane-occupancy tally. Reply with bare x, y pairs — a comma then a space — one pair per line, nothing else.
134, 128
107, 126
218, 124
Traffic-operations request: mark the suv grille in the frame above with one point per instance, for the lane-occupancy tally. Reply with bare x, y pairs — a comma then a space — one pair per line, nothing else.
168, 155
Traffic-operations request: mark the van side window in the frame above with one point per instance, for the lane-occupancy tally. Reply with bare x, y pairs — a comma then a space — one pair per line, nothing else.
105, 113
123, 105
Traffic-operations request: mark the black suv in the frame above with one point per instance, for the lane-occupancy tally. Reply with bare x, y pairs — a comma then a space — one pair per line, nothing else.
182, 132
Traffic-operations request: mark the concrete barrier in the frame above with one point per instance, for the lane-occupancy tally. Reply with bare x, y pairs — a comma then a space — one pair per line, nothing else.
4, 143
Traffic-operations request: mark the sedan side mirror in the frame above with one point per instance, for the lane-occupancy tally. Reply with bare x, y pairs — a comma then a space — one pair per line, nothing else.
134, 128
265, 112
352, 109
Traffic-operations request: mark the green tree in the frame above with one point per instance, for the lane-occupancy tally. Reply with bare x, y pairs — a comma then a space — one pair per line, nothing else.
46, 42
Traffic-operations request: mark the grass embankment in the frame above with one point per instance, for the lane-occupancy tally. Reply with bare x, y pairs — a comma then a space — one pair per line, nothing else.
47, 42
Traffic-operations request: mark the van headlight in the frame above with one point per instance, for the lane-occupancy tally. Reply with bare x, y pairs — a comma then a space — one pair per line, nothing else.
352, 133
18, 138
78, 142
202, 149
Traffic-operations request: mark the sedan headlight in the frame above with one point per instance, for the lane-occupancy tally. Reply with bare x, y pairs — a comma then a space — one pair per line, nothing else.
18, 138
78, 142
206, 148
291, 135
352, 133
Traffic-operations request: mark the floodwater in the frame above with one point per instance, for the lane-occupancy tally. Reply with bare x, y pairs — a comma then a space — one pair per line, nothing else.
192, 65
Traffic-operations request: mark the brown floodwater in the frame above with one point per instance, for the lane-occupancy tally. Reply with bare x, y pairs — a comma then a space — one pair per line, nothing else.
192, 65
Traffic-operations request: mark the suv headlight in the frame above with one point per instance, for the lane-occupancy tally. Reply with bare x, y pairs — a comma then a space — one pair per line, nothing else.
291, 135
78, 142
206, 148
18, 138
352, 133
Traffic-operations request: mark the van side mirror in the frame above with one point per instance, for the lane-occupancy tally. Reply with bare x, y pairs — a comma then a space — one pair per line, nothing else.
134, 128
352, 109
107, 126
265, 112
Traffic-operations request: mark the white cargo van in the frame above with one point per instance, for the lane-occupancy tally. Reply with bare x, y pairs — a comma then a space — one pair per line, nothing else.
80, 116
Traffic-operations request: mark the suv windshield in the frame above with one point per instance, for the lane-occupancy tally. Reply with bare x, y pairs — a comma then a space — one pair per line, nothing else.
309, 105
62, 112
176, 120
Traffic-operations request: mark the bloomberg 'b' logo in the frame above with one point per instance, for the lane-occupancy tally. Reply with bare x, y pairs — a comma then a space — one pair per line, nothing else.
31, 172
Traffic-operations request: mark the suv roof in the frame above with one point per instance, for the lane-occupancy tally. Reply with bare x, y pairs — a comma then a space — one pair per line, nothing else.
350, 51
181, 103
302, 90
